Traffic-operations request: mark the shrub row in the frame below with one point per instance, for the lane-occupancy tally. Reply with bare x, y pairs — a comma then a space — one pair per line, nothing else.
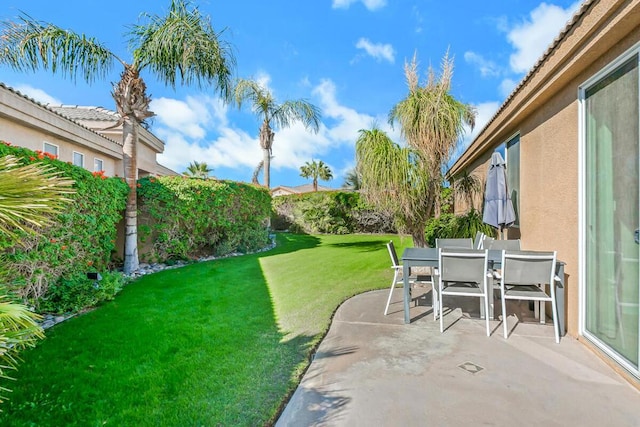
331, 212
49, 270
456, 226
179, 218
185, 218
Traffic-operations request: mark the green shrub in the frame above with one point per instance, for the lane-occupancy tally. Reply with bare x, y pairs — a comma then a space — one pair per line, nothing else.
330, 212
456, 226
82, 237
185, 218
79, 292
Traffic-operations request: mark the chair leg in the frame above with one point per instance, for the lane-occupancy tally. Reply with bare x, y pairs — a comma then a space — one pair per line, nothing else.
435, 298
486, 305
393, 285
556, 325
504, 314
440, 298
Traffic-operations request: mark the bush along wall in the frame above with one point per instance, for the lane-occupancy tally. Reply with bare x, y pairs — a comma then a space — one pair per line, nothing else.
49, 270
187, 218
331, 212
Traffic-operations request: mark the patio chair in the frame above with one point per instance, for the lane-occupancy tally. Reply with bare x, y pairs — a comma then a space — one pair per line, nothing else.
462, 272
455, 243
525, 275
486, 240
506, 244
398, 278
477, 241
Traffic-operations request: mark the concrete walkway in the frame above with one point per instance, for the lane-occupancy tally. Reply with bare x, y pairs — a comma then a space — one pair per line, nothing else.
373, 370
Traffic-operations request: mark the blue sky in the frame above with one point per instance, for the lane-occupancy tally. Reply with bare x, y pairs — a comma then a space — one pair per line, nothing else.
344, 56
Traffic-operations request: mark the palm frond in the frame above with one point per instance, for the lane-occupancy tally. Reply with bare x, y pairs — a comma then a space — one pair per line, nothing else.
28, 45
183, 47
29, 195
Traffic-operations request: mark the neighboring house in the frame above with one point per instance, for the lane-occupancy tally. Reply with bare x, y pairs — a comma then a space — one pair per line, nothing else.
570, 135
300, 189
75, 134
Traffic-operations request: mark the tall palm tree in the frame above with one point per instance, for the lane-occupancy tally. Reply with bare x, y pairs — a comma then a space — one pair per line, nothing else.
316, 170
432, 121
394, 180
181, 46
29, 195
198, 170
352, 180
272, 113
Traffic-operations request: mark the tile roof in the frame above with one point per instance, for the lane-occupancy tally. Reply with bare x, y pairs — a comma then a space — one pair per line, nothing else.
78, 112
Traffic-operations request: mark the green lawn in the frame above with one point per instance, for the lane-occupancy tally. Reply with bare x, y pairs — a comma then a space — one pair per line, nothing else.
215, 343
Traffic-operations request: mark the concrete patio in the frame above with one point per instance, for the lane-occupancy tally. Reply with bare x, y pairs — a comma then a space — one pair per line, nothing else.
374, 370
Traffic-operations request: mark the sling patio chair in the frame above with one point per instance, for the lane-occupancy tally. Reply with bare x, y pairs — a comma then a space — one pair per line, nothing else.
525, 275
463, 273
398, 278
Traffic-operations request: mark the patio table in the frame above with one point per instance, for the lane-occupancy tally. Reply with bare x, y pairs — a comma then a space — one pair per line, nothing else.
428, 257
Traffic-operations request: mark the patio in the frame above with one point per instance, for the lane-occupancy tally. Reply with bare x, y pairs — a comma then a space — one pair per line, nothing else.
373, 369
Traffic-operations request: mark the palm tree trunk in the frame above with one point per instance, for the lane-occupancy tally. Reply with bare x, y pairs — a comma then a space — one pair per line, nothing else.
266, 159
130, 134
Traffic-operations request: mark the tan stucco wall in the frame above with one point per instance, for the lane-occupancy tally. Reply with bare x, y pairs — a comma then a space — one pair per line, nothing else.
34, 139
545, 113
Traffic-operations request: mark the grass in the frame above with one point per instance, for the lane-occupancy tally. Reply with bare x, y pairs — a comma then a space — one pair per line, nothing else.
222, 342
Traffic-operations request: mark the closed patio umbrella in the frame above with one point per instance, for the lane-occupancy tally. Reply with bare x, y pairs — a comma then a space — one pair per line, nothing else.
498, 207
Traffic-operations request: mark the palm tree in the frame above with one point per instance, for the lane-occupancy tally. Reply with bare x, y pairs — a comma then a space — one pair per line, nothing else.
198, 170
272, 113
394, 180
467, 186
179, 47
28, 196
352, 180
316, 170
432, 121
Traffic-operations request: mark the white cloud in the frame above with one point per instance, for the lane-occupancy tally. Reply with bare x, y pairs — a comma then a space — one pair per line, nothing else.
532, 37
379, 51
369, 4
189, 117
485, 111
37, 94
506, 87
182, 122
487, 68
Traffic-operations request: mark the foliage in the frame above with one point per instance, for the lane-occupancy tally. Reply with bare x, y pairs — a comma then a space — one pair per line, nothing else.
183, 218
274, 114
352, 180
222, 342
446, 200
75, 293
29, 195
333, 212
198, 170
79, 239
316, 170
394, 180
179, 47
467, 186
432, 122
452, 226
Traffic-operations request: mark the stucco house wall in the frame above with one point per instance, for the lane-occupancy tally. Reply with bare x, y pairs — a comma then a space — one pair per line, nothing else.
544, 110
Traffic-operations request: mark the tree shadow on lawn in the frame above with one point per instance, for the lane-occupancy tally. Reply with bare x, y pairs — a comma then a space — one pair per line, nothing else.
196, 345
374, 244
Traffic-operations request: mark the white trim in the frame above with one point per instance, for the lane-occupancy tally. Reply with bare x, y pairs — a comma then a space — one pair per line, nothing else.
73, 158
582, 285
44, 149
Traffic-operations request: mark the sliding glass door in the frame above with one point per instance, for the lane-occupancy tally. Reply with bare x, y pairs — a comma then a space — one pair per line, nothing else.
610, 114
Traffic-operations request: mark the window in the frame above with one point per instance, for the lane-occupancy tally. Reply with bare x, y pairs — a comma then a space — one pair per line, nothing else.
97, 165
78, 159
50, 148
510, 152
